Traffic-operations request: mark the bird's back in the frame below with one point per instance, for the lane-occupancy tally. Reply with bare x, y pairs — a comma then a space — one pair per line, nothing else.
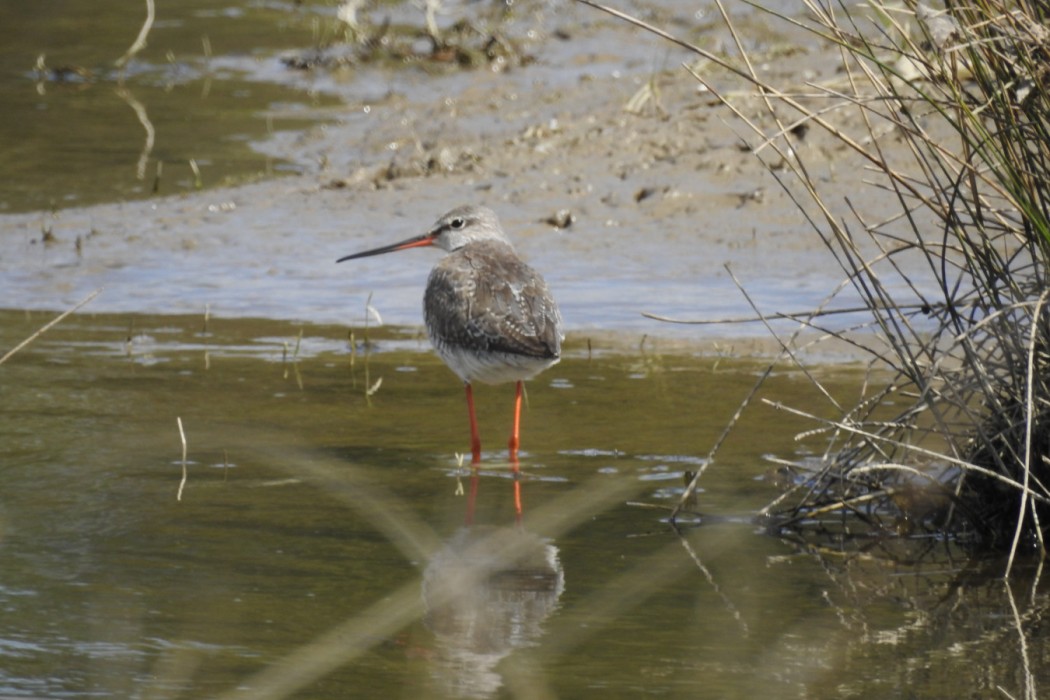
490, 316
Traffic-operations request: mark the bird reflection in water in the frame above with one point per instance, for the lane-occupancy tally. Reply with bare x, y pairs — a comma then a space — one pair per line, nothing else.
487, 592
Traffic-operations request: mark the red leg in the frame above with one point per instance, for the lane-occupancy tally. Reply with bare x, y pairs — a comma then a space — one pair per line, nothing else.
472, 498
517, 487
475, 438
515, 442
515, 436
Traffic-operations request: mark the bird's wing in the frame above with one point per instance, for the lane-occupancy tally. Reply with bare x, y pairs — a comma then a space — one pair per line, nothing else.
490, 300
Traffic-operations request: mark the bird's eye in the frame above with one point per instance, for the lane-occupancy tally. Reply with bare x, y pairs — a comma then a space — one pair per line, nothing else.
457, 223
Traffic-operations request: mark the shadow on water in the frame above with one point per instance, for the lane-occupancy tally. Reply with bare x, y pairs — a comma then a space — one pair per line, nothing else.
328, 544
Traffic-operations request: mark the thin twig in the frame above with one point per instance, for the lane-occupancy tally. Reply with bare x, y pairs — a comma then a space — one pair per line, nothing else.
58, 319
182, 436
147, 125
1030, 692
1029, 420
691, 487
787, 315
140, 40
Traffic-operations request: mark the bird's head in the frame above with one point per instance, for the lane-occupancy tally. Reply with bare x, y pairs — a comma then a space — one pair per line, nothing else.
456, 229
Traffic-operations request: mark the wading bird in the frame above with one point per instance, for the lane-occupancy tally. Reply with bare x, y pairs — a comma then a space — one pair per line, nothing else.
490, 316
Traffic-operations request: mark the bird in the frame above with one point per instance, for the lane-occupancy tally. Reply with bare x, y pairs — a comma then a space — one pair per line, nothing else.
490, 316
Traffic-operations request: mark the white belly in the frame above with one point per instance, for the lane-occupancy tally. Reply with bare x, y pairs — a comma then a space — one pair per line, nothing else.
492, 368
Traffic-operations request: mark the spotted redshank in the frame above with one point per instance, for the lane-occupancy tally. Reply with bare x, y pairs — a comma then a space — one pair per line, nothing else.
490, 316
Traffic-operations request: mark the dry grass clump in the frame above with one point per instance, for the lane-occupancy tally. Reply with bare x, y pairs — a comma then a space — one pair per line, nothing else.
966, 90
947, 110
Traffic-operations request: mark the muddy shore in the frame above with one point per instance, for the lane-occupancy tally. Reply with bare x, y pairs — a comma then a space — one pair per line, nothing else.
627, 207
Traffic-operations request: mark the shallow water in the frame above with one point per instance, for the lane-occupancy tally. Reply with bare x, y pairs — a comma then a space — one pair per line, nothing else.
81, 131
319, 548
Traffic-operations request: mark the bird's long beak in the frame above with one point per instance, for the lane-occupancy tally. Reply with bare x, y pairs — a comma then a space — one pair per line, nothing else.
414, 242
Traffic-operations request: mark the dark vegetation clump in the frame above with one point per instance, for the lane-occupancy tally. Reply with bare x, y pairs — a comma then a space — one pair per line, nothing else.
965, 88
944, 114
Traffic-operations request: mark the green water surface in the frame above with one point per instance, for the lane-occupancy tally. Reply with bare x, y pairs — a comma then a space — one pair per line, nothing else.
78, 130
319, 549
